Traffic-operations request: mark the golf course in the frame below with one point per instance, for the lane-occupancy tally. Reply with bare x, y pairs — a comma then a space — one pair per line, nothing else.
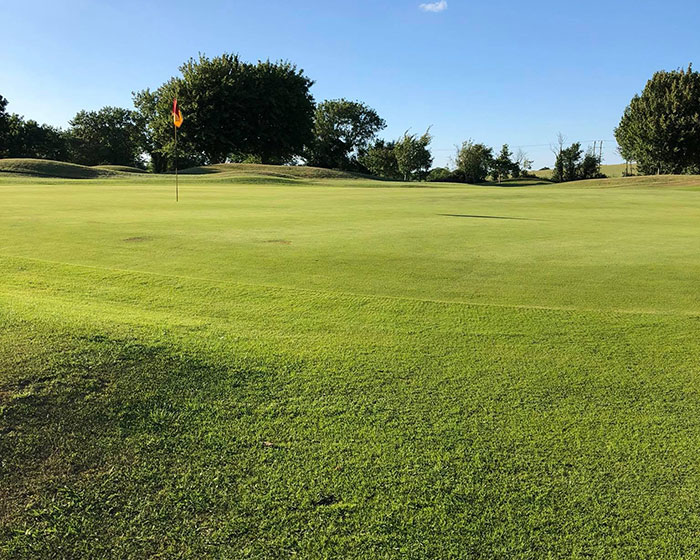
293, 362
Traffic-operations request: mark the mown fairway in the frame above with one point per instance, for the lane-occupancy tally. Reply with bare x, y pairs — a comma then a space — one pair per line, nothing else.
280, 367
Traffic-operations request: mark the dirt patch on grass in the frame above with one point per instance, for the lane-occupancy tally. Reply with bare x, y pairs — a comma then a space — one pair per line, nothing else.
279, 241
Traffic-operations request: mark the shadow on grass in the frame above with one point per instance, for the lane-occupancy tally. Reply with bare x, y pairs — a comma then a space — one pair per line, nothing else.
91, 440
488, 217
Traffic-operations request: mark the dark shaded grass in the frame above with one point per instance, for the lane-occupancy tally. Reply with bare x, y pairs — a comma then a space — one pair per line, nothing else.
97, 435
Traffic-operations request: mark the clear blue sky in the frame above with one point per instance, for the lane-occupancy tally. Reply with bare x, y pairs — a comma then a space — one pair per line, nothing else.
496, 71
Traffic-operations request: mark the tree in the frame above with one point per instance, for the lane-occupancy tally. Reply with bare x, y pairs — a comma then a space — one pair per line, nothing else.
590, 166
572, 164
108, 136
232, 109
473, 162
558, 149
343, 130
29, 139
522, 164
571, 158
566, 167
151, 124
412, 156
660, 129
380, 160
284, 110
4, 126
439, 174
503, 165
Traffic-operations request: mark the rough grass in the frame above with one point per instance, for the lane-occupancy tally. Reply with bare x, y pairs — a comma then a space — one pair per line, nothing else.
315, 372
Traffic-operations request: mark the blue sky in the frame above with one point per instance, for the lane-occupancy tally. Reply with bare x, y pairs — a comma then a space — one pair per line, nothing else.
495, 71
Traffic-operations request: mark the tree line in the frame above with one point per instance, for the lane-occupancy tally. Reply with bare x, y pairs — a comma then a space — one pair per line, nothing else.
263, 112
235, 111
110, 135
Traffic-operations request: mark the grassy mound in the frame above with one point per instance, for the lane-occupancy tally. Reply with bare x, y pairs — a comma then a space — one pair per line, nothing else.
283, 171
119, 168
50, 168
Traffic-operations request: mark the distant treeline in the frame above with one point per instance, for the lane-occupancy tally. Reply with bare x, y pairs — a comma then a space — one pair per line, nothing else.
237, 111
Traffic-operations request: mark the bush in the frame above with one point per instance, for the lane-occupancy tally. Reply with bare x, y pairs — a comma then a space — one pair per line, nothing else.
439, 174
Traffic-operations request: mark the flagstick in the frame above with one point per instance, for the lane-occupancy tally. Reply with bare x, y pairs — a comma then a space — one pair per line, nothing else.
177, 190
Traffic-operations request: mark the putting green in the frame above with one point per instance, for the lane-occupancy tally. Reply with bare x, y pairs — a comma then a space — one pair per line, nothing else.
280, 365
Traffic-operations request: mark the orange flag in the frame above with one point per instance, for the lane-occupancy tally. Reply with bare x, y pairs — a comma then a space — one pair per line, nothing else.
177, 115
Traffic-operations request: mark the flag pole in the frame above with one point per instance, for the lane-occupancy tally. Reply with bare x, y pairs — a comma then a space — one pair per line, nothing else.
177, 190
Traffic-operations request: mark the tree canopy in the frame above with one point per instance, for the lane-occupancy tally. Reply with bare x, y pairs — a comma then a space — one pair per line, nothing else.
263, 112
343, 131
231, 108
109, 136
412, 156
380, 160
660, 129
29, 139
572, 164
473, 162
503, 165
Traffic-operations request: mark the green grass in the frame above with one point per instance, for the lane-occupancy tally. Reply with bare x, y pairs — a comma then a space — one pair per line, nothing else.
300, 367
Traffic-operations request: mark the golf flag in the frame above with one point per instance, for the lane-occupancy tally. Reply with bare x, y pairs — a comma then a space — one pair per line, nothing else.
177, 115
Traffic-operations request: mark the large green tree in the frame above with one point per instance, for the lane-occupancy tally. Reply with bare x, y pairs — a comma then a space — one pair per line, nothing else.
413, 156
568, 162
343, 131
572, 164
473, 162
156, 124
111, 135
232, 109
660, 129
590, 165
29, 139
503, 165
380, 160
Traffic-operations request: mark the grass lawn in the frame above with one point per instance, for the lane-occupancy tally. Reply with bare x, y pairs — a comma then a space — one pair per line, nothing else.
296, 366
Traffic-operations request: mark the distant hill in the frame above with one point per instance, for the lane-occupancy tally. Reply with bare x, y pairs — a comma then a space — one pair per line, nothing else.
612, 171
